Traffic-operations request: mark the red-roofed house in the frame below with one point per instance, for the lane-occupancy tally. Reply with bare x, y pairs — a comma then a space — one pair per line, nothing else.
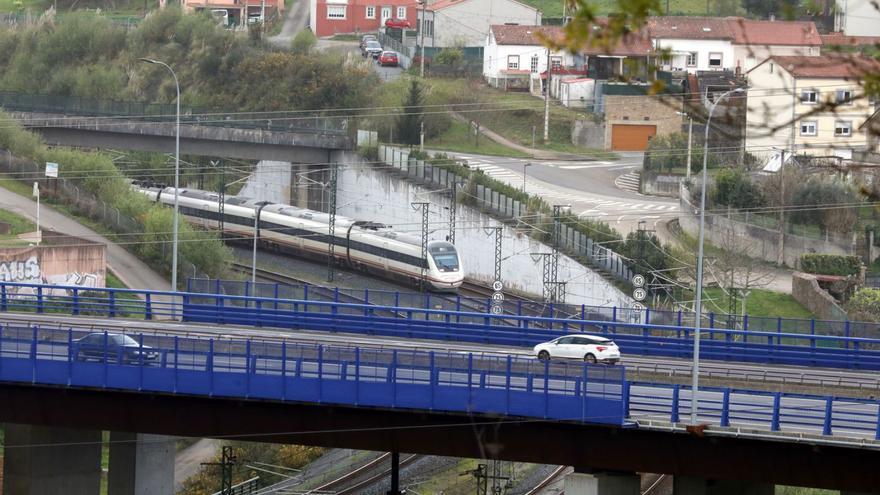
514, 55
812, 105
755, 41
718, 43
329, 17
467, 22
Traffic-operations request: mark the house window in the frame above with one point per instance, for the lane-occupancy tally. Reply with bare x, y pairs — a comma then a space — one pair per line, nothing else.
401, 12
371, 12
809, 128
692, 59
844, 97
429, 27
715, 60
336, 12
843, 128
386, 14
809, 97
771, 67
513, 62
556, 63
534, 63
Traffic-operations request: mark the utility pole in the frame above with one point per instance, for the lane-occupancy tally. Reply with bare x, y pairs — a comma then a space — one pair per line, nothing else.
453, 207
227, 462
497, 231
424, 207
547, 100
331, 224
422, 42
482, 476
690, 144
221, 206
554, 263
528, 164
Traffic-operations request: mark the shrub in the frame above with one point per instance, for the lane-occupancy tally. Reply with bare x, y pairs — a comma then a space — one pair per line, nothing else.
831, 264
303, 42
828, 203
734, 188
449, 56
864, 305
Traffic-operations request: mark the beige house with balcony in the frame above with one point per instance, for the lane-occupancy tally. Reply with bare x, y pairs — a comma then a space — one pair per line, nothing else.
811, 105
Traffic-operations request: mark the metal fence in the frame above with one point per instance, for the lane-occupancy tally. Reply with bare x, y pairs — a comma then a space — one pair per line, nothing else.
166, 113
325, 374
506, 208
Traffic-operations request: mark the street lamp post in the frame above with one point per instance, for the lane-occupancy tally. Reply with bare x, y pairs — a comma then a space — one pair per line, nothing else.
526, 164
698, 302
176, 173
690, 140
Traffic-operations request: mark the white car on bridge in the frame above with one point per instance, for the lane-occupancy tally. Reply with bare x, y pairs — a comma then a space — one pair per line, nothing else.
589, 348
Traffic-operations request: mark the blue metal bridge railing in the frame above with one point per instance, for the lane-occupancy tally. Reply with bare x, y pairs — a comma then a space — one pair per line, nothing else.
285, 371
525, 331
410, 379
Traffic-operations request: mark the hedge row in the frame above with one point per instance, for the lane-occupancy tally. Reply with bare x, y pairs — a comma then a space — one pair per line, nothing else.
831, 264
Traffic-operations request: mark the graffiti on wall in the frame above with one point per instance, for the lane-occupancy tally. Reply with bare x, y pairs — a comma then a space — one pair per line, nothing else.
28, 271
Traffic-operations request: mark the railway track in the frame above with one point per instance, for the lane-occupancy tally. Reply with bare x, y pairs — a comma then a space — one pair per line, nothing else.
335, 486
652, 489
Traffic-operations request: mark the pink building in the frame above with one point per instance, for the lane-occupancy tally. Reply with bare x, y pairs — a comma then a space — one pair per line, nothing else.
329, 17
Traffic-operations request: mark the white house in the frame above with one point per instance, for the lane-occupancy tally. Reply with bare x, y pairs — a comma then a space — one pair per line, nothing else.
513, 55
467, 22
693, 43
755, 41
857, 18
733, 43
809, 105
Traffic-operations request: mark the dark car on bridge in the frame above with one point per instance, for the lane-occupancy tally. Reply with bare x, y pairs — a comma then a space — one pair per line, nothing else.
115, 348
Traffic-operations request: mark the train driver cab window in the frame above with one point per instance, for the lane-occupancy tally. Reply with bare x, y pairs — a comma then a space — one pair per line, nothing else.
445, 257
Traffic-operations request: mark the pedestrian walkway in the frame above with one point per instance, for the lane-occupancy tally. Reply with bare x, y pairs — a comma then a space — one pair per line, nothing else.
536, 153
628, 182
133, 272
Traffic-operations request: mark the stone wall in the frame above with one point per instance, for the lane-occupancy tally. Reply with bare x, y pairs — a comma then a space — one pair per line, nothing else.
641, 110
660, 184
58, 260
588, 134
805, 288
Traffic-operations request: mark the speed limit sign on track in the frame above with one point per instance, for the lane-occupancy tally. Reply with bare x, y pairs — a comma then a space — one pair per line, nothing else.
639, 294
638, 280
497, 286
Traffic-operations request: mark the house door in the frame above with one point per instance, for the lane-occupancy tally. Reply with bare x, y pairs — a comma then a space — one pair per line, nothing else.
386, 14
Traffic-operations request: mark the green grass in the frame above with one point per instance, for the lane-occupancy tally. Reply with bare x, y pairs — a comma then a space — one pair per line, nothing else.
797, 490
761, 302
346, 37
515, 115
458, 138
17, 223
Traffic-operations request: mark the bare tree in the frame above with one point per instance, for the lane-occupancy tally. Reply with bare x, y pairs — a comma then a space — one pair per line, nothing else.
737, 268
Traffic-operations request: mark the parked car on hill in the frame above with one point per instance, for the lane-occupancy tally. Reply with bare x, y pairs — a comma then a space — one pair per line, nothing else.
398, 23
372, 49
365, 39
388, 58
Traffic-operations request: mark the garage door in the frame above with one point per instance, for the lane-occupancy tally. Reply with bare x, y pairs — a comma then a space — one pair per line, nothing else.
625, 137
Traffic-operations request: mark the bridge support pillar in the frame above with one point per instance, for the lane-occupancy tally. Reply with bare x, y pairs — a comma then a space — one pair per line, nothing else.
41, 459
140, 464
602, 483
686, 485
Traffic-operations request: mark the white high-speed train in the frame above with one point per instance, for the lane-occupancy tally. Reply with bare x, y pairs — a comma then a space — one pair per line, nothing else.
366, 246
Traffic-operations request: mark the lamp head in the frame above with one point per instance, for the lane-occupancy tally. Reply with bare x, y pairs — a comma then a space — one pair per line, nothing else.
149, 60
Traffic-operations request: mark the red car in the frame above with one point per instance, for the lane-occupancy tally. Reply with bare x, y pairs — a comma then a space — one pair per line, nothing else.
388, 58
398, 23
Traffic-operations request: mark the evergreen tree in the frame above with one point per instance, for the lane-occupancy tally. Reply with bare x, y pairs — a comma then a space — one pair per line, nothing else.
409, 123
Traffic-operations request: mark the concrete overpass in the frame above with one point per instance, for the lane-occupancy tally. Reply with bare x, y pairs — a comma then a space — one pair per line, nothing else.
255, 139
